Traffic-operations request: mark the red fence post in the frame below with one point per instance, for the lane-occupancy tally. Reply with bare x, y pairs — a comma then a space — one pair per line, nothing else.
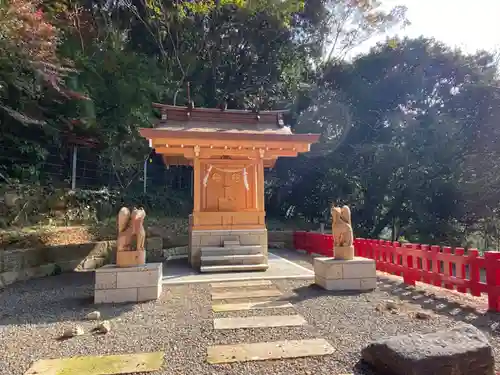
460, 268
358, 247
363, 250
418, 263
376, 254
474, 272
368, 251
436, 266
385, 248
426, 264
447, 265
493, 279
407, 263
311, 242
392, 257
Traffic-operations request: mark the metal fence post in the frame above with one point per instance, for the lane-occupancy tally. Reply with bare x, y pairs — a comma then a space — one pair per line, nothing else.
73, 171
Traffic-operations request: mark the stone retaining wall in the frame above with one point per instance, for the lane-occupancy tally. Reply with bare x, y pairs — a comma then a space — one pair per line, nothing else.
24, 264
280, 239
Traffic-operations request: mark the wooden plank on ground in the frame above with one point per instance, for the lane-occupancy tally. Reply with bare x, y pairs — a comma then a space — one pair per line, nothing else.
259, 322
268, 350
241, 284
271, 304
246, 294
98, 365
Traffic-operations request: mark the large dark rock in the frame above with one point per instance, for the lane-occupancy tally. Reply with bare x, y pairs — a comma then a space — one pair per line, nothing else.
460, 351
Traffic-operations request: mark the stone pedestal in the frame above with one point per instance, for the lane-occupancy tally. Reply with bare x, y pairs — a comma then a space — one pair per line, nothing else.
130, 258
133, 284
341, 274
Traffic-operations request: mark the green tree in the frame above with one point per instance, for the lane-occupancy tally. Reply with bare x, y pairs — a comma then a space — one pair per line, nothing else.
385, 119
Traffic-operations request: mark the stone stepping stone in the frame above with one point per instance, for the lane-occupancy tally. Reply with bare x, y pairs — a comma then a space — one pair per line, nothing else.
268, 350
98, 365
241, 284
243, 306
246, 294
259, 322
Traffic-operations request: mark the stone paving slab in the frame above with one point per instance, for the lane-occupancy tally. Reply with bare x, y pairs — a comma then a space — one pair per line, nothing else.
259, 322
243, 306
98, 365
241, 284
246, 294
268, 350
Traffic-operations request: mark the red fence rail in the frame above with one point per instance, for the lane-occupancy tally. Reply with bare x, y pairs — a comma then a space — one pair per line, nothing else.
455, 269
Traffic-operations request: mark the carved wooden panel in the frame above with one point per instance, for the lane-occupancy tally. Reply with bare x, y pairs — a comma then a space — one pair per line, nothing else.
225, 188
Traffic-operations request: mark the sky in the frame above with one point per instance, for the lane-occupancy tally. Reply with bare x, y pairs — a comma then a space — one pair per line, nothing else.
468, 24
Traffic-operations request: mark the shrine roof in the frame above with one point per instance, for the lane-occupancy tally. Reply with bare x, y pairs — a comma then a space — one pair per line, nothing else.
215, 120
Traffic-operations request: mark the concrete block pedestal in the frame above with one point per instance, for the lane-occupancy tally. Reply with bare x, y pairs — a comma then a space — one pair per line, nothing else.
339, 274
131, 284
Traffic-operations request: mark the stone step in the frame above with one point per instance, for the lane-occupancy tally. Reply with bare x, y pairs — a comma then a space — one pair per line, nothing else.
232, 250
208, 260
234, 268
229, 243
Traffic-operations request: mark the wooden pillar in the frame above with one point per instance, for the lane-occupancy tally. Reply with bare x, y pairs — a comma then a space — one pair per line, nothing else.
260, 183
196, 180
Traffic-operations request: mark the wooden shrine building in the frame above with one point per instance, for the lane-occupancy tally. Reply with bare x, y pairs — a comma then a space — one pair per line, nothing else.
228, 150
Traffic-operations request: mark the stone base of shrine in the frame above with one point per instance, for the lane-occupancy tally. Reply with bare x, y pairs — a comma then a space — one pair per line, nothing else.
131, 284
199, 239
339, 274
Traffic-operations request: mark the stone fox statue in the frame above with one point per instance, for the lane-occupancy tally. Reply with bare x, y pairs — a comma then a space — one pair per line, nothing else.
129, 225
342, 232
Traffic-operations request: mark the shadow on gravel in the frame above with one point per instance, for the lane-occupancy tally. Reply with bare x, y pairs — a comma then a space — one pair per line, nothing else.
314, 291
486, 321
63, 298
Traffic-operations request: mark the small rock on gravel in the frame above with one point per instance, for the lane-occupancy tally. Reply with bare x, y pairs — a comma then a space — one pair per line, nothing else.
94, 315
388, 305
104, 327
462, 350
73, 331
423, 315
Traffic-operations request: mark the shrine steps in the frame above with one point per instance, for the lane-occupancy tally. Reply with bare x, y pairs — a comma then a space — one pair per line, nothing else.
235, 268
231, 250
233, 257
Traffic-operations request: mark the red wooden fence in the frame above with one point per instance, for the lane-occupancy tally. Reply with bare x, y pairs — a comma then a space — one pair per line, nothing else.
467, 272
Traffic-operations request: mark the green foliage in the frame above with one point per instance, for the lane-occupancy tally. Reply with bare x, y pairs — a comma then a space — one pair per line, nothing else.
401, 130
283, 10
29, 204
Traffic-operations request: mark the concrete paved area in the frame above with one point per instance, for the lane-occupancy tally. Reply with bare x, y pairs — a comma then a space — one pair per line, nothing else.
179, 272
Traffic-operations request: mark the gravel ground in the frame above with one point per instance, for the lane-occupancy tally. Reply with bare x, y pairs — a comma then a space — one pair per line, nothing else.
34, 313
